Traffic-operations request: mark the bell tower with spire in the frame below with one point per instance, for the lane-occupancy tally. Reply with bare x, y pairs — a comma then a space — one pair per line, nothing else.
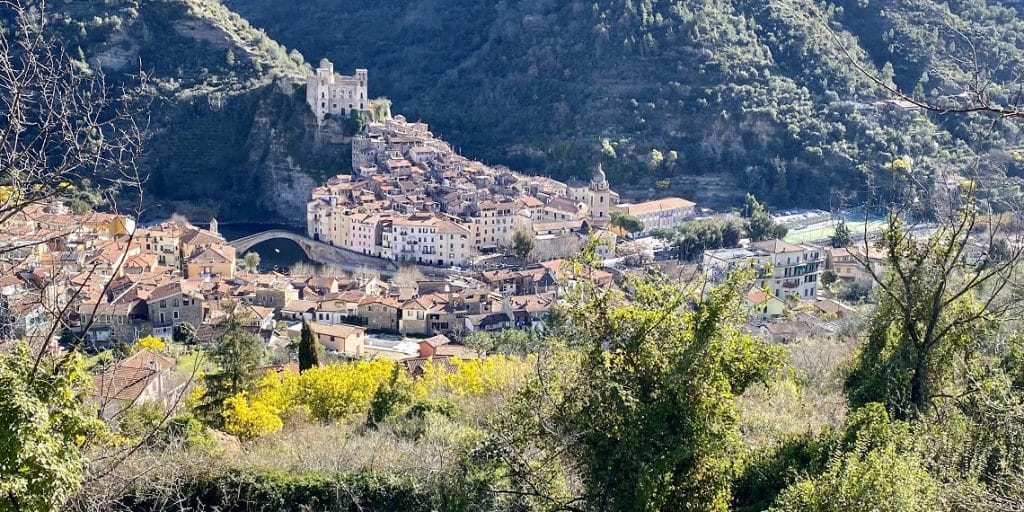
599, 182
599, 195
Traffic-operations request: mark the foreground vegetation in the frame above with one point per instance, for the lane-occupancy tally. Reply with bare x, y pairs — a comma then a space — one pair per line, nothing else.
646, 397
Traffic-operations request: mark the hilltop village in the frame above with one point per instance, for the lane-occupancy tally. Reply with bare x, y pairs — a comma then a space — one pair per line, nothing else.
412, 198
102, 282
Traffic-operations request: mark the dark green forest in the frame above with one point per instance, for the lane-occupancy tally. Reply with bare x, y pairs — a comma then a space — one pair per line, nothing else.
705, 99
717, 97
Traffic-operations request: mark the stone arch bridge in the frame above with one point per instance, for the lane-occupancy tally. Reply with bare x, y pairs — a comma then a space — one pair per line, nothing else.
315, 250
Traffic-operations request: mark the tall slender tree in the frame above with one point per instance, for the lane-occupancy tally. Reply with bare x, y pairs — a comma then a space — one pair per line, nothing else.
309, 349
936, 309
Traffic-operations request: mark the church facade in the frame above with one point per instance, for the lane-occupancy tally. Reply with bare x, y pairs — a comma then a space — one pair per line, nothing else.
595, 196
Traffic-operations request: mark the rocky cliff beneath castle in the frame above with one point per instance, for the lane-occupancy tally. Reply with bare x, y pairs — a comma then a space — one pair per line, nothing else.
252, 156
228, 131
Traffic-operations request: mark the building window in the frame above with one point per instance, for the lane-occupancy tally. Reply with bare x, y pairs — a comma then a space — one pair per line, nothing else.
163, 303
174, 315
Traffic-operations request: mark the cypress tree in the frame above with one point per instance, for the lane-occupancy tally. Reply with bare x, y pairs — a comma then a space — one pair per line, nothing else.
309, 349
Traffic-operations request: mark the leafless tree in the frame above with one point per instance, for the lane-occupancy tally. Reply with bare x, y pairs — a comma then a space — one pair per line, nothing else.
407, 276
65, 134
365, 274
59, 125
62, 131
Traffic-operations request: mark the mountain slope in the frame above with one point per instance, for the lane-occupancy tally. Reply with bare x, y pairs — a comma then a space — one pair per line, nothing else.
229, 135
733, 95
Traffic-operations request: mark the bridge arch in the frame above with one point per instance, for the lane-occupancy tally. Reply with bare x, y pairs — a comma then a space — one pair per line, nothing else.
248, 242
316, 250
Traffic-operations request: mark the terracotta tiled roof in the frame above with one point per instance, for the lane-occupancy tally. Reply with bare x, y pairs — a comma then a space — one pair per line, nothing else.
757, 296
127, 379
214, 254
196, 236
300, 306
337, 330
668, 203
170, 289
437, 341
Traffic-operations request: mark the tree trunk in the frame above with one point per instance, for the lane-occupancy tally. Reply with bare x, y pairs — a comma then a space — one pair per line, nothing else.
919, 385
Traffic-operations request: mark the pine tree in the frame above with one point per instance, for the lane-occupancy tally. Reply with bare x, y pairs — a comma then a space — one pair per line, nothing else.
309, 349
842, 237
522, 244
237, 355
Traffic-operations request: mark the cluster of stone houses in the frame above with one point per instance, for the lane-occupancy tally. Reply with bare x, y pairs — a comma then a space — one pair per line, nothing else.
488, 301
108, 282
104, 277
111, 282
412, 198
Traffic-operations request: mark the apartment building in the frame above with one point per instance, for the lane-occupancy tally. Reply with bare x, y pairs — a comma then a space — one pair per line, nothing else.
786, 270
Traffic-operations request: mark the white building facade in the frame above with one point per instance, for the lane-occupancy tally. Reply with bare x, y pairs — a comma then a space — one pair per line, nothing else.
338, 95
786, 270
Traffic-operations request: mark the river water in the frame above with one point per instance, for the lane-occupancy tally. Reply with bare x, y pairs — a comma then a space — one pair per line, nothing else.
274, 254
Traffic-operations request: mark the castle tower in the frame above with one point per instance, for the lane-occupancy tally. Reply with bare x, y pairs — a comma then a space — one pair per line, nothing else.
214, 226
329, 93
363, 99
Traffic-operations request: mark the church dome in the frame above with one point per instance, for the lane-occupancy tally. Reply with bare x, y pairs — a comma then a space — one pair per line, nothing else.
599, 176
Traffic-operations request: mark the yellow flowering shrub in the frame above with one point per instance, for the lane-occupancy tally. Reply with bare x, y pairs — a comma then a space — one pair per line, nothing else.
474, 377
898, 164
327, 393
250, 419
7, 192
337, 391
152, 343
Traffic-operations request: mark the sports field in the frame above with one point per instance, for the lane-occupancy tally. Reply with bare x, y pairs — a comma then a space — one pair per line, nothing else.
823, 230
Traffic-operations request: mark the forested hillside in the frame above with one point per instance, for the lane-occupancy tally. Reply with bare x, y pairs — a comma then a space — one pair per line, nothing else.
708, 98
226, 133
